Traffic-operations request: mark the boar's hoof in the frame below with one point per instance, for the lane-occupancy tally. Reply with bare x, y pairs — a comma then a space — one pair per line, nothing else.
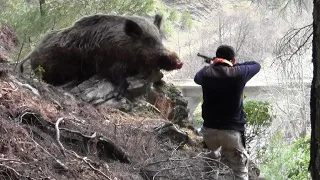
119, 93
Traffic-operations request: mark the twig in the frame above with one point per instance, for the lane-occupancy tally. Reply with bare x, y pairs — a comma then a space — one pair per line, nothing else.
76, 119
202, 157
88, 163
156, 109
176, 148
94, 135
300, 46
25, 113
57, 160
166, 169
144, 151
11, 169
12, 161
188, 169
58, 136
288, 38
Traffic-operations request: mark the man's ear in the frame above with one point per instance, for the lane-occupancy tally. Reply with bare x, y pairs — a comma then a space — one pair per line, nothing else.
233, 61
132, 29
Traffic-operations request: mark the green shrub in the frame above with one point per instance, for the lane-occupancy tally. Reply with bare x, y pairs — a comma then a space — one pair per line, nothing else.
197, 115
280, 161
259, 119
38, 73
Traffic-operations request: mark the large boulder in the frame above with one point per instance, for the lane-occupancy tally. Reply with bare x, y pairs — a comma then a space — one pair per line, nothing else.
164, 97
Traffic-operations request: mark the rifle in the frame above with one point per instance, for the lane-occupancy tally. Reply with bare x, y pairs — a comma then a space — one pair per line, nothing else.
206, 58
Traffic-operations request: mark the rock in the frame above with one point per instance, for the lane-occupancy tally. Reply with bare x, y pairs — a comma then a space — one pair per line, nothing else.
179, 115
179, 106
156, 77
94, 90
165, 97
97, 90
172, 132
123, 105
138, 87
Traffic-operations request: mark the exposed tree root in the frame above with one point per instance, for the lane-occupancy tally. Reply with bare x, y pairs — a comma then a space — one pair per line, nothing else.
75, 140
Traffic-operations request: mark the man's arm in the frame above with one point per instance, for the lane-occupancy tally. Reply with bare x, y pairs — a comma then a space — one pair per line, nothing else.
199, 76
249, 69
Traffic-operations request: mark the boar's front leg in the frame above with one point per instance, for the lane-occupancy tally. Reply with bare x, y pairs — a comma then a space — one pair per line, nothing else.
119, 79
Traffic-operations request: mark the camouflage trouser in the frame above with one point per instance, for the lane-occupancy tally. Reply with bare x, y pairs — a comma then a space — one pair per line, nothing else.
229, 143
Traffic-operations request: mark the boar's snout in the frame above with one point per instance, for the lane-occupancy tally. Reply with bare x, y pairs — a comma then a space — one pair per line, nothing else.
179, 65
170, 61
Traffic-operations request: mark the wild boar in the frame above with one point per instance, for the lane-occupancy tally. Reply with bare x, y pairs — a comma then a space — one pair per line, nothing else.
111, 46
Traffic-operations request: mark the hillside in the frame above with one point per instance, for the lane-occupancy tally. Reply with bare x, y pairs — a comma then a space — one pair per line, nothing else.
49, 133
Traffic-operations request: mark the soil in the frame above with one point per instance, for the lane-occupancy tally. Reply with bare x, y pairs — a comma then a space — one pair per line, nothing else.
47, 133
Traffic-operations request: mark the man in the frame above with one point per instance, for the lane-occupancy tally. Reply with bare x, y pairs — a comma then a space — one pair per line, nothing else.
222, 109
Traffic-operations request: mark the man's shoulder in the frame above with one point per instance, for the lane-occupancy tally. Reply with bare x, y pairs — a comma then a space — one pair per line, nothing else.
222, 71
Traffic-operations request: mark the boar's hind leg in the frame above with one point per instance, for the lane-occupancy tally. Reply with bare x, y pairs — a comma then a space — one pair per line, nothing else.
119, 79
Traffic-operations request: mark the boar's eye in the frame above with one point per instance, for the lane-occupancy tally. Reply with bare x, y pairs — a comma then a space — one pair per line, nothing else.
149, 41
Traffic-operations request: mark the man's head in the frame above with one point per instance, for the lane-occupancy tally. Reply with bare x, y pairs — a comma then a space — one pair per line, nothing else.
225, 52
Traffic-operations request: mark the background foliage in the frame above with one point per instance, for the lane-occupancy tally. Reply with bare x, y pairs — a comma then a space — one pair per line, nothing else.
281, 161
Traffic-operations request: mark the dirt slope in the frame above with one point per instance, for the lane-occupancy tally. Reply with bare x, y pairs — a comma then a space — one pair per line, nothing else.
46, 133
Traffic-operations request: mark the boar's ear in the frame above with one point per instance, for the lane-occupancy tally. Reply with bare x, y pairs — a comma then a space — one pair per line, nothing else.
132, 29
158, 20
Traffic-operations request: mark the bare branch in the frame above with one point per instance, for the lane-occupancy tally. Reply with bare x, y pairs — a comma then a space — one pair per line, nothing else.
58, 136
292, 43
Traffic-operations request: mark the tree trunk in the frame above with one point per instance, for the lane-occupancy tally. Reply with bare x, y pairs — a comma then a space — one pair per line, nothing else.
315, 95
41, 3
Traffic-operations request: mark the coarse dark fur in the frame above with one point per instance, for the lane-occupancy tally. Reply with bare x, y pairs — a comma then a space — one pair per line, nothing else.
111, 46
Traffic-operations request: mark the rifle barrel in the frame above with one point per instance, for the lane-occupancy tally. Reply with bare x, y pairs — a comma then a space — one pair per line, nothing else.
203, 56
